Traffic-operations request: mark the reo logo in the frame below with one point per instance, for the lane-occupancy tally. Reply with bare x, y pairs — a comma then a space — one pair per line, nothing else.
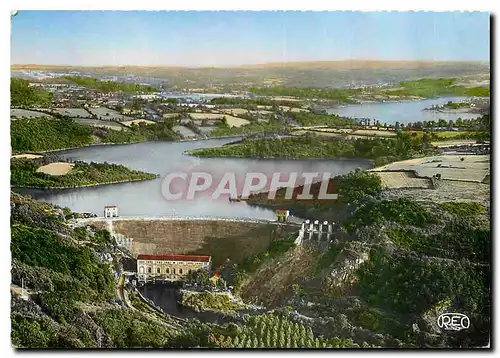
453, 321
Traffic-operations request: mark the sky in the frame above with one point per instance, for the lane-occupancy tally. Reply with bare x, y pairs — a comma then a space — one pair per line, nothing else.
171, 38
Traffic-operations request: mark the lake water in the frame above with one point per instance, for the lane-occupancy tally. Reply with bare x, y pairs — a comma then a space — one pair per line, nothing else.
146, 198
402, 112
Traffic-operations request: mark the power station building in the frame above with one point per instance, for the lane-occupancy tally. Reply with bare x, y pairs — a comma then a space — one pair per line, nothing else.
170, 267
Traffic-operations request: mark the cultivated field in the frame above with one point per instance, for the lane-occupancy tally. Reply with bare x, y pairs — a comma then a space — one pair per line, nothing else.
354, 137
452, 143
292, 109
170, 115
471, 168
109, 114
206, 115
231, 120
19, 113
319, 133
184, 131
397, 180
98, 123
283, 98
236, 122
443, 135
374, 133
351, 133
448, 190
71, 112
136, 121
261, 112
58, 168
235, 111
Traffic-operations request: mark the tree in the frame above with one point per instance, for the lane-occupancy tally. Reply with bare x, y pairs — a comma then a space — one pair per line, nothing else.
136, 105
281, 341
309, 333
274, 337
268, 339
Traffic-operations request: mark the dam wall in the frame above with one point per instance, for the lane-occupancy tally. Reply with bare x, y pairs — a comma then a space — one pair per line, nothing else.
221, 239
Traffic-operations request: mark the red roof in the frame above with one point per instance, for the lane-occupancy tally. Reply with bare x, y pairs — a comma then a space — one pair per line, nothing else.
281, 211
174, 257
110, 206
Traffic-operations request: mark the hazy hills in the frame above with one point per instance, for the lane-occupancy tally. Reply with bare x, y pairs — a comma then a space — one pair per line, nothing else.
338, 65
298, 74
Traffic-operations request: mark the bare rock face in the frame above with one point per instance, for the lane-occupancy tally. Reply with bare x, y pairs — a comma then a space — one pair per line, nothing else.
343, 271
270, 283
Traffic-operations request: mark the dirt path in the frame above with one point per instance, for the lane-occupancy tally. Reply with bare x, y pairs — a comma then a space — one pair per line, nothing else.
58, 168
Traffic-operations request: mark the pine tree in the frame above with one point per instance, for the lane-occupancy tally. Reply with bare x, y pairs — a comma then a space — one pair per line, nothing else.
236, 342
286, 327
228, 342
268, 338
310, 333
281, 341
287, 340
255, 343
243, 340
281, 322
302, 331
317, 343
260, 332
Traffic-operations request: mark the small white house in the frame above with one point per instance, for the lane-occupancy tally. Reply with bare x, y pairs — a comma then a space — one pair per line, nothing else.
111, 211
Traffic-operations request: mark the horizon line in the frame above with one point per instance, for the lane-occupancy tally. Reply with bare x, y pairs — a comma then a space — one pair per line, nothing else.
279, 63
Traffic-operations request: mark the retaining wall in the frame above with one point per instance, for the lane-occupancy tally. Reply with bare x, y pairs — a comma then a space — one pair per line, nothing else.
221, 239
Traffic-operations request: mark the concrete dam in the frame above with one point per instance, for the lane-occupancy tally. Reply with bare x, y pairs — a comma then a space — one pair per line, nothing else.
222, 239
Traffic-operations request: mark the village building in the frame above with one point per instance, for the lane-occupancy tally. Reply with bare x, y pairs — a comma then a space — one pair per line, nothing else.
110, 211
170, 267
282, 215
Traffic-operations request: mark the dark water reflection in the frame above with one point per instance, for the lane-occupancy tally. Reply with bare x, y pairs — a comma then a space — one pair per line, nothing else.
165, 296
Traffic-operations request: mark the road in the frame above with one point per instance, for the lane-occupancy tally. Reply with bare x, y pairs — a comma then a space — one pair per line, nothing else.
291, 220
